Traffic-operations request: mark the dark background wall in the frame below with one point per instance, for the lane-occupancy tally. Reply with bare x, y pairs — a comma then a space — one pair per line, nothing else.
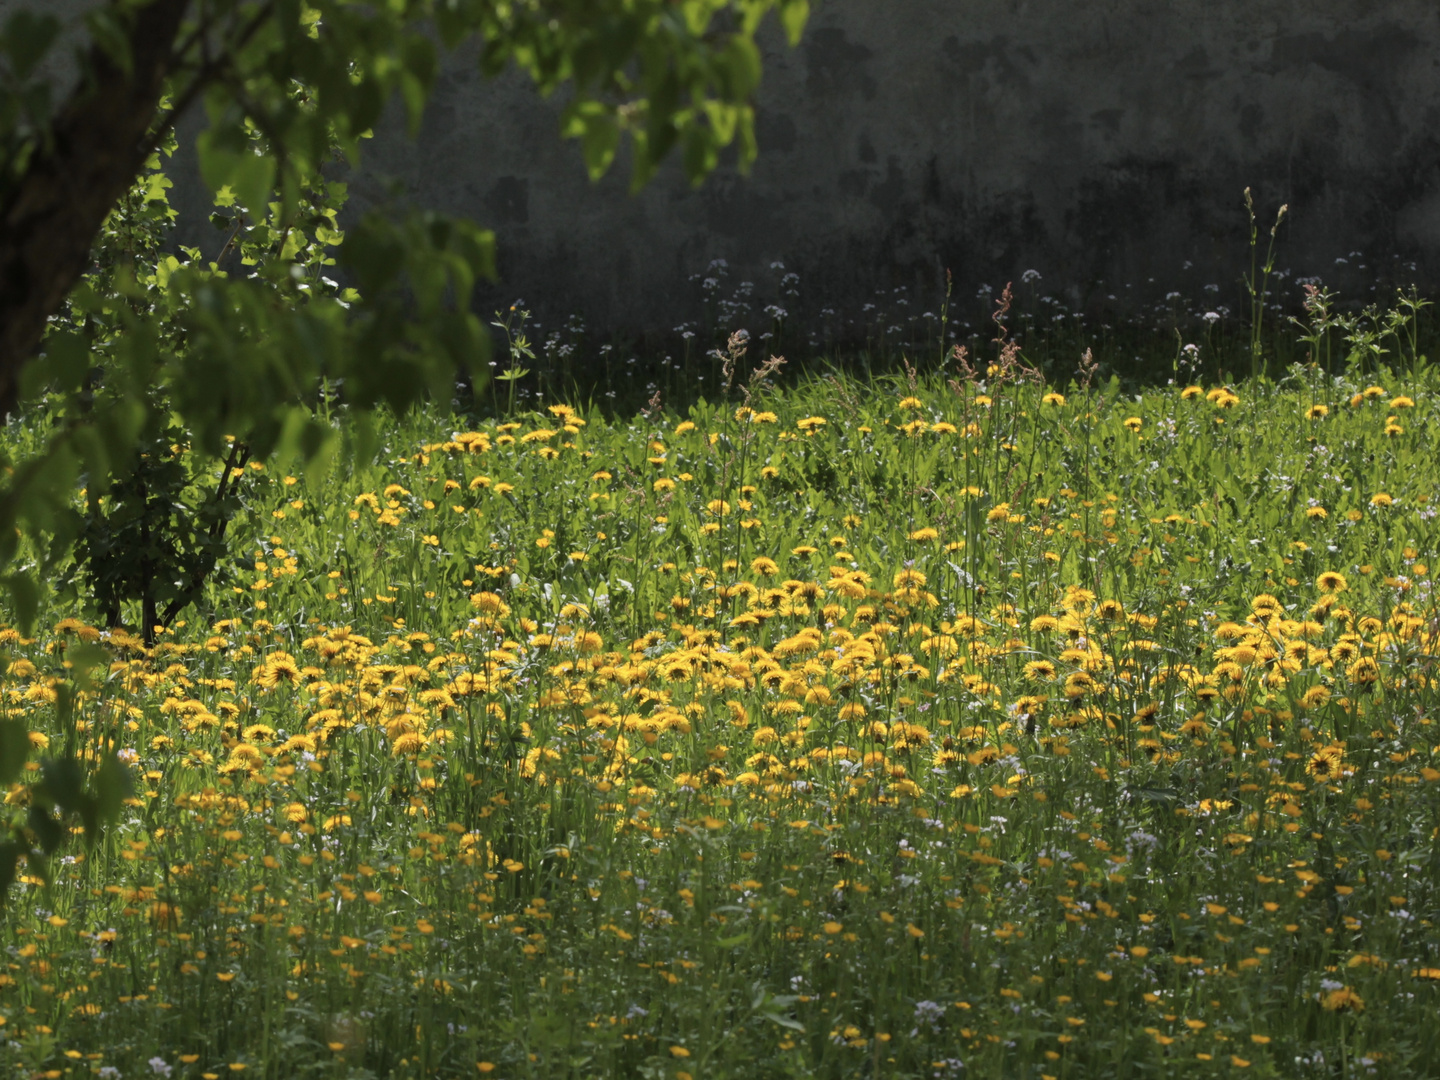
1104, 144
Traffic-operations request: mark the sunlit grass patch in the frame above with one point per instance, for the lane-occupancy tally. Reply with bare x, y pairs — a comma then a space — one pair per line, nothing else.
894, 730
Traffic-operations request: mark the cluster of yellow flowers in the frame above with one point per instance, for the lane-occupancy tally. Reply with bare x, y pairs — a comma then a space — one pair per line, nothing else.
922, 739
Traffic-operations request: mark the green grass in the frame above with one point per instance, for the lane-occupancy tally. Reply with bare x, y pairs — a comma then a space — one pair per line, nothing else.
962, 727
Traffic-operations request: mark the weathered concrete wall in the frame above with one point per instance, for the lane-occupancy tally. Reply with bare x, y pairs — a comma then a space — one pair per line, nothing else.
1102, 144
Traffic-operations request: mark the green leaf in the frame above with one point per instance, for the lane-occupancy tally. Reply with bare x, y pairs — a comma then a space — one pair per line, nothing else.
67, 360
783, 1021
253, 177
38, 863
595, 125
793, 16
748, 148
10, 853
14, 750
373, 253
318, 445
47, 830
26, 39
739, 67
85, 658
25, 594
250, 176
111, 34
112, 788
364, 438
700, 155
62, 783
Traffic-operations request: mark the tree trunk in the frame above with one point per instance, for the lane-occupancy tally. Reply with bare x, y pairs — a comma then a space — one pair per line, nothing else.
53, 210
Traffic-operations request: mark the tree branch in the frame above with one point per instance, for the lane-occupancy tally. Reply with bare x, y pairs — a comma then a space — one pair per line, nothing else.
237, 458
209, 70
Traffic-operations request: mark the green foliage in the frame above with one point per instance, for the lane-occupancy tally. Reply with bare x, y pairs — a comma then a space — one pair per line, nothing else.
67, 793
286, 87
159, 532
161, 366
25, 96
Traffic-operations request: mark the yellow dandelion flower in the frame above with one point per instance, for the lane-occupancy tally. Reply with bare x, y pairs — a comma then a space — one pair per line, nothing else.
278, 668
1343, 999
490, 603
1040, 671
1327, 763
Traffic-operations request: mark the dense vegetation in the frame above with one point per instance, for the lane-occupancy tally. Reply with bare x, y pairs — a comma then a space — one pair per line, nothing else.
951, 725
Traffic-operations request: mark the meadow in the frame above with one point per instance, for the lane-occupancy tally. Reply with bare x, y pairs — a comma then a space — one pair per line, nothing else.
950, 724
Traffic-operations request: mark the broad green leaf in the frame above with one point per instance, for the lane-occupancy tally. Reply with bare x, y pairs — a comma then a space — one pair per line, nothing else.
599, 133
25, 594
112, 787
739, 67
47, 830
10, 854
14, 750
85, 658
319, 444
67, 356
110, 32
249, 175
62, 782
26, 39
